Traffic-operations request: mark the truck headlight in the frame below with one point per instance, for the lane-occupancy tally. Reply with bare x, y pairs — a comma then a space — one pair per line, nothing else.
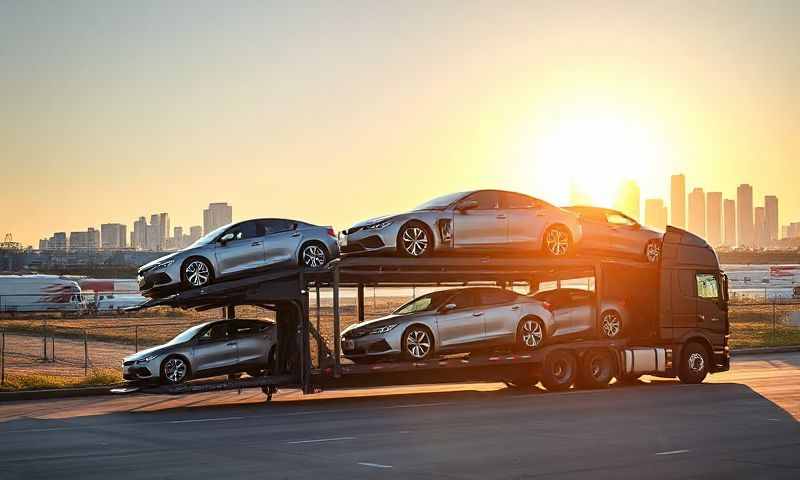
378, 226
384, 329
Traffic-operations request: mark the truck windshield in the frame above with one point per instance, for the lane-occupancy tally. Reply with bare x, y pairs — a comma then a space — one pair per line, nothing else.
425, 303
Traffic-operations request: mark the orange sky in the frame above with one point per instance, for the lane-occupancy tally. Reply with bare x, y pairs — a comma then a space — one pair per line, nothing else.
336, 113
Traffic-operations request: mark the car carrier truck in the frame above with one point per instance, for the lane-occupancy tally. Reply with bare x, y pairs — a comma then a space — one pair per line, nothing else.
680, 320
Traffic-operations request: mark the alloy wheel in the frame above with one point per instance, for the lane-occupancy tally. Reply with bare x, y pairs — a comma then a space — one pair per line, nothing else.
611, 324
531, 333
418, 344
652, 252
313, 256
415, 241
557, 242
175, 370
197, 273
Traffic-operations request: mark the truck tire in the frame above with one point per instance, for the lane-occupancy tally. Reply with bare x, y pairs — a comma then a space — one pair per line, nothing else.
597, 368
694, 363
559, 370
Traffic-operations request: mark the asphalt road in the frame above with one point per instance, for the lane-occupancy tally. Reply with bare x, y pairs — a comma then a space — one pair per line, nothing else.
742, 424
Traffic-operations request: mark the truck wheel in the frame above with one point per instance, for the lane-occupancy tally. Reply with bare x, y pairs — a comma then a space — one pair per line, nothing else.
694, 363
523, 380
560, 368
597, 369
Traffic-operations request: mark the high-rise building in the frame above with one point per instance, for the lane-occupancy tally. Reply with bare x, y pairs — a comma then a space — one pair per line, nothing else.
760, 226
139, 238
772, 221
87, 240
216, 215
729, 218
628, 199
655, 213
697, 212
793, 230
744, 221
158, 231
714, 218
677, 198
113, 235
195, 232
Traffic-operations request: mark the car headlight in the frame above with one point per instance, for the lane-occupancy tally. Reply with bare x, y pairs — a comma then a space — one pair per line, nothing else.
378, 226
147, 358
384, 329
162, 266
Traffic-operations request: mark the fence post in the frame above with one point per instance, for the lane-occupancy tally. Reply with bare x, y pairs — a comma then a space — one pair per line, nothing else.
44, 340
136, 337
53, 347
85, 354
773, 321
3, 359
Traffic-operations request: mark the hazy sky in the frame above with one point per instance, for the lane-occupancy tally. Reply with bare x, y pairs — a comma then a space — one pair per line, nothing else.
336, 111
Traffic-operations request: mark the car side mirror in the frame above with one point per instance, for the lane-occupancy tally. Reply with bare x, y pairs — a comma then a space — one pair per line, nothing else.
226, 238
447, 308
466, 205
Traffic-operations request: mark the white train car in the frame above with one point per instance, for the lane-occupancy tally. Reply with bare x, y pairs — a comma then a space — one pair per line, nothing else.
40, 293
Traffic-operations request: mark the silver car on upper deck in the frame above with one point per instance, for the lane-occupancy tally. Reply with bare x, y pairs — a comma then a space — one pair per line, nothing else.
474, 220
239, 249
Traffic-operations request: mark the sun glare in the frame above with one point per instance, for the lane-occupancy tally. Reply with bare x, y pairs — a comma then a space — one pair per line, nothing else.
583, 157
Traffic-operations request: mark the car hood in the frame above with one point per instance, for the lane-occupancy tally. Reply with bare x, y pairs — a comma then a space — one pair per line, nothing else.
373, 221
157, 350
383, 321
158, 260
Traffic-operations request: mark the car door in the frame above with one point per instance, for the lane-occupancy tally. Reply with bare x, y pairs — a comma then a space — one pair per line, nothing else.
282, 240
484, 225
215, 349
711, 313
582, 310
624, 234
253, 341
501, 314
463, 324
561, 309
244, 251
527, 219
597, 233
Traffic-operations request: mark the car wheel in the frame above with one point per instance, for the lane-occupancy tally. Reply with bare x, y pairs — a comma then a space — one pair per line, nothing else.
557, 241
597, 369
197, 273
694, 363
530, 333
414, 240
417, 343
313, 255
652, 251
175, 370
559, 371
611, 324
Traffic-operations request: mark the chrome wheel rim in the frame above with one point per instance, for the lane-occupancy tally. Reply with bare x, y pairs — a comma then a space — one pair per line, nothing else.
313, 256
415, 241
197, 273
557, 242
418, 344
175, 370
653, 252
531, 333
611, 324
696, 362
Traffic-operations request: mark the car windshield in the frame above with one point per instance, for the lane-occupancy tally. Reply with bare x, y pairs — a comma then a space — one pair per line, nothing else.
186, 335
425, 303
440, 203
209, 237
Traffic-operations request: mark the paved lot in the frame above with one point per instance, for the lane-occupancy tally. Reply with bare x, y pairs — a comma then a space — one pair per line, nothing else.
742, 424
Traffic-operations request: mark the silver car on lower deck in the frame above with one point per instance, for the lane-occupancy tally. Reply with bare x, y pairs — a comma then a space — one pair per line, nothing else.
476, 220
206, 350
238, 249
458, 320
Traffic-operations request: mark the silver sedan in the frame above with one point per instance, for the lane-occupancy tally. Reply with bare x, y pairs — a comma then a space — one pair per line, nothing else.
475, 220
236, 250
459, 320
612, 231
206, 350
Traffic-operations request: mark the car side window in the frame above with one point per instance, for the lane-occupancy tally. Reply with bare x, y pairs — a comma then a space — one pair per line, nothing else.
244, 328
275, 226
487, 199
618, 219
465, 299
707, 286
216, 333
579, 296
244, 231
496, 296
517, 200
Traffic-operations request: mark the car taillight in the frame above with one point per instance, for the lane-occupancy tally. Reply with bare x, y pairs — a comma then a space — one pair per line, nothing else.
331, 232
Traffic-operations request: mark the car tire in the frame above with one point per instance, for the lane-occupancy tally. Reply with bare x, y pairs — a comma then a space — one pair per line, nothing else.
557, 241
175, 370
652, 251
597, 368
611, 324
417, 343
196, 272
530, 334
414, 240
313, 255
559, 370
695, 361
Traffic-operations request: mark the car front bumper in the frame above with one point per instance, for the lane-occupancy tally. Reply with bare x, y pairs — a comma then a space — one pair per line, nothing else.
378, 345
365, 240
133, 370
153, 282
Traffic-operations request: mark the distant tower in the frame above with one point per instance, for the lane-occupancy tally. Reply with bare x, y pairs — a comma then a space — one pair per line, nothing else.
744, 221
760, 227
714, 218
678, 200
772, 220
729, 218
628, 199
697, 212
655, 213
